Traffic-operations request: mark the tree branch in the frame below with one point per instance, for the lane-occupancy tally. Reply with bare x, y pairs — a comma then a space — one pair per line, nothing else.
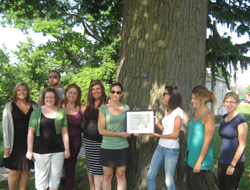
90, 32
69, 54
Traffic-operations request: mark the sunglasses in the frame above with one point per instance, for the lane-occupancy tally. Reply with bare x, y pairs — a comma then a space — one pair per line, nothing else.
97, 81
164, 93
53, 76
117, 92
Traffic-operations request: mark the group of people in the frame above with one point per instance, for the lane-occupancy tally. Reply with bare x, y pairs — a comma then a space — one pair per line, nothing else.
47, 136
199, 154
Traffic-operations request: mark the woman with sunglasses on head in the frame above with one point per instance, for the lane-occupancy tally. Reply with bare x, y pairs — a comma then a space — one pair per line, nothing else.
48, 140
114, 148
92, 139
199, 154
15, 124
233, 131
167, 151
74, 111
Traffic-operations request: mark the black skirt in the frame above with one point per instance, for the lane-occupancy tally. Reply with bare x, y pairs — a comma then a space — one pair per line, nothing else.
114, 158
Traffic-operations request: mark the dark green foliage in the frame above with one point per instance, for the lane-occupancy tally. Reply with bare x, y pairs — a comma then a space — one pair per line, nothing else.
72, 24
235, 14
221, 52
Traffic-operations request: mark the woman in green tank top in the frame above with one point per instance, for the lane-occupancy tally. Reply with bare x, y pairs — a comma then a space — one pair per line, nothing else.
199, 155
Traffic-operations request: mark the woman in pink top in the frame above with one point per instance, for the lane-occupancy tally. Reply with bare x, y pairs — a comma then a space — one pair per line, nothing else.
74, 111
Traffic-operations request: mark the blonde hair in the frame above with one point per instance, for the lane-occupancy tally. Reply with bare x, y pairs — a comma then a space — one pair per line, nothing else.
15, 98
202, 93
231, 94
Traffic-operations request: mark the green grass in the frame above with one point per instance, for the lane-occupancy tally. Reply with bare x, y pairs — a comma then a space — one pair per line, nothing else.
244, 110
244, 181
217, 119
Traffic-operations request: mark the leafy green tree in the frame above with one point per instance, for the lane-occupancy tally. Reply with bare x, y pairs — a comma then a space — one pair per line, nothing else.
106, 72
222, 54
98, 20
248, 90
7, 79
34, 64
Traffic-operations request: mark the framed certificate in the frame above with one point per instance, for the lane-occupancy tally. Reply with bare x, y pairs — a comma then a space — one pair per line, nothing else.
140, 121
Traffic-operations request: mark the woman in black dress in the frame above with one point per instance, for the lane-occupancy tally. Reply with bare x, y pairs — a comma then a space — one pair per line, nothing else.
15, 120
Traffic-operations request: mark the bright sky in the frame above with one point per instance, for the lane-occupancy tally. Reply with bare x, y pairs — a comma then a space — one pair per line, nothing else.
11, 36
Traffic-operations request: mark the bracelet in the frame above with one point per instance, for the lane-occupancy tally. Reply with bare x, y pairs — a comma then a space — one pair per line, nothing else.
233, 166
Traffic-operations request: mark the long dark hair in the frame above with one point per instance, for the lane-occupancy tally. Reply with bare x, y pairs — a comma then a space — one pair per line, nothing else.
90, 102
117, 84
78, 100
175, 97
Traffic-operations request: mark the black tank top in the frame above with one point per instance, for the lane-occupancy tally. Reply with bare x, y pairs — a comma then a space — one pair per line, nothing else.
91, 127
48, 141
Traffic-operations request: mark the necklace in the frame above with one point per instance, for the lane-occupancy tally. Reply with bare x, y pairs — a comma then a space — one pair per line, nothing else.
228, 118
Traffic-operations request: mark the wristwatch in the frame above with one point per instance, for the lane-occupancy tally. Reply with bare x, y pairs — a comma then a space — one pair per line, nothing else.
233, 166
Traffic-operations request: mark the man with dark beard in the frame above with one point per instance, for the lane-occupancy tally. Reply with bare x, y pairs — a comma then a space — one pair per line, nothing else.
54, 79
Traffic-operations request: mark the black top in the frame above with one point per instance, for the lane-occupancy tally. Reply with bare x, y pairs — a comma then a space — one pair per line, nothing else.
48, 141
17, 159
21, 124
91, 127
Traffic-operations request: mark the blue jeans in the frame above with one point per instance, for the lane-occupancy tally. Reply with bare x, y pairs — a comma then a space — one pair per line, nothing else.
168, 156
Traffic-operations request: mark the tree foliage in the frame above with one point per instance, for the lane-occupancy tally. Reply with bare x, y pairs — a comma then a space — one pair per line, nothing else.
221, 52
235, 14
247, 90
79, 28
7, 77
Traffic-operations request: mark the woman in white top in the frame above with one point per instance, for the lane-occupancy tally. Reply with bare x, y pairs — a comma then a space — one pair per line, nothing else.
168, 149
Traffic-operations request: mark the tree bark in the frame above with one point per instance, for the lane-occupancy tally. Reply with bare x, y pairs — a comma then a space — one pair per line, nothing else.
165, 40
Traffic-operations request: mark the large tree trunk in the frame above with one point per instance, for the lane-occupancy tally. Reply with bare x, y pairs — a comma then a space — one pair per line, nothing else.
164, 39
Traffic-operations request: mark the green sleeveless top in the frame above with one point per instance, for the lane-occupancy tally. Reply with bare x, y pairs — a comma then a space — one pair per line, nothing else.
196, 133
115, 123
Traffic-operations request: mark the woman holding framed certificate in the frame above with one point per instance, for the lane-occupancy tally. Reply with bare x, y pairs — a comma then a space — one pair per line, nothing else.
167, 151
114, 148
